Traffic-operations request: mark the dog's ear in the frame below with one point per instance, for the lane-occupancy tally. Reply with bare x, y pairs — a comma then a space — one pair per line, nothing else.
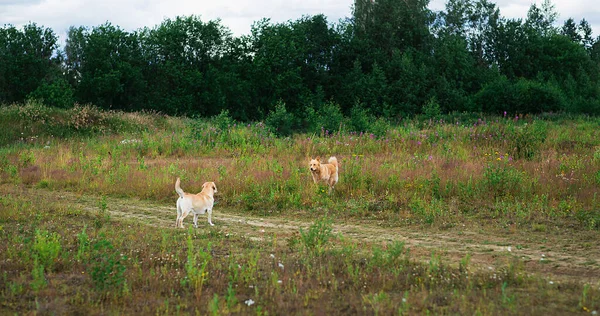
318, 159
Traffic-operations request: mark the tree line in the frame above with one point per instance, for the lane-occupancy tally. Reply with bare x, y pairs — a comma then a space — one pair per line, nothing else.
389, 59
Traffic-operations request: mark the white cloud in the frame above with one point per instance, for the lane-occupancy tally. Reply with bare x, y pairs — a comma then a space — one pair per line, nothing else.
576, 9
237, 15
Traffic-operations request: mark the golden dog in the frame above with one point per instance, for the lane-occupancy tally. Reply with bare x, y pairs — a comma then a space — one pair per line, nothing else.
327, 172
195, 203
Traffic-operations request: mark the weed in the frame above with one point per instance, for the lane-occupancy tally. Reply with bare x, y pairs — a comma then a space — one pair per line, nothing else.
37, 273
213, 306
107, 266
102, 216
584, 300
230, 298
83, 245
46, 248
316, 237
196, 271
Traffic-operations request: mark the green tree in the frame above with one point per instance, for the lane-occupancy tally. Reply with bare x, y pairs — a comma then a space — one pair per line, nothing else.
183, 59
27, 59
294, 59
105, 65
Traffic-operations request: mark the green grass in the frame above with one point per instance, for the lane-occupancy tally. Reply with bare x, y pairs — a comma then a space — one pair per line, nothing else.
535, 178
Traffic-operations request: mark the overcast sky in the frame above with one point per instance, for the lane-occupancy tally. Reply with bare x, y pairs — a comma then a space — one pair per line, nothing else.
237, 15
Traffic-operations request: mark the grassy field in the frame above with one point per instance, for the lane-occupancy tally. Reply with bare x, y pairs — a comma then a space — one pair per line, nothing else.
461, 214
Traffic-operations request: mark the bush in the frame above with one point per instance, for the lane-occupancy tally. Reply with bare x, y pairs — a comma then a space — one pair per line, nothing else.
107, 270
432, 109
526, 140
222, 121
522, 96
361, 119
327, 119
318, 234
46, 248
280, 121
56, 94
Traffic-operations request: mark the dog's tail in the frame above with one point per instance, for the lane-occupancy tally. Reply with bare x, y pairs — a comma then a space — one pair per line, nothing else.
332, 160
178, 187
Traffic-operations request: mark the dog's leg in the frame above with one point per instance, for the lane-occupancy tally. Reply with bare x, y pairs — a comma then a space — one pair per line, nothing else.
315, 179
209, 211
184, 214
195, 220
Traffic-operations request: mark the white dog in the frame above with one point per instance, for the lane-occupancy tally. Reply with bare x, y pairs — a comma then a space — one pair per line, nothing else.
195, 203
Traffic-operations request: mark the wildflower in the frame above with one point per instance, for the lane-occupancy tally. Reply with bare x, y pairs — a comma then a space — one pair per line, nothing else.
249, 302
281, 265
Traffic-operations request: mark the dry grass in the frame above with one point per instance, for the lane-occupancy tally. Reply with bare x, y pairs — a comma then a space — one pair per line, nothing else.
537, 178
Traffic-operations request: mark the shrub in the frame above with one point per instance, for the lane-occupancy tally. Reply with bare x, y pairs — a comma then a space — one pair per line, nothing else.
522, 96
280, 121
222, 121
46, 248
316, 237
527, 139
502, 180
106, 269
432, 109
56, 94
327, 119
360, 118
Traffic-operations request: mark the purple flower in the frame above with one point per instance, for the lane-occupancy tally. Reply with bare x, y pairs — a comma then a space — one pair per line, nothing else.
504, 113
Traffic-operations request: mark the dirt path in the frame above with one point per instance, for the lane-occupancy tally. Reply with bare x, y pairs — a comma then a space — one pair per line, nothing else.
558, 256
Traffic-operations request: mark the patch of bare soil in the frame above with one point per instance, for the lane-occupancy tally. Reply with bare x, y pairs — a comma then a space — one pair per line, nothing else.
555, 254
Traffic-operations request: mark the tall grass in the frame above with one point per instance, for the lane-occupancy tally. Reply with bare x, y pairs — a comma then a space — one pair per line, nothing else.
421, 171
536, 173
127, 271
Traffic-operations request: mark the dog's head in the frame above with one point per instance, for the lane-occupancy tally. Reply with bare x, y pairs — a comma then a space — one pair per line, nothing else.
209, 186
315, 164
